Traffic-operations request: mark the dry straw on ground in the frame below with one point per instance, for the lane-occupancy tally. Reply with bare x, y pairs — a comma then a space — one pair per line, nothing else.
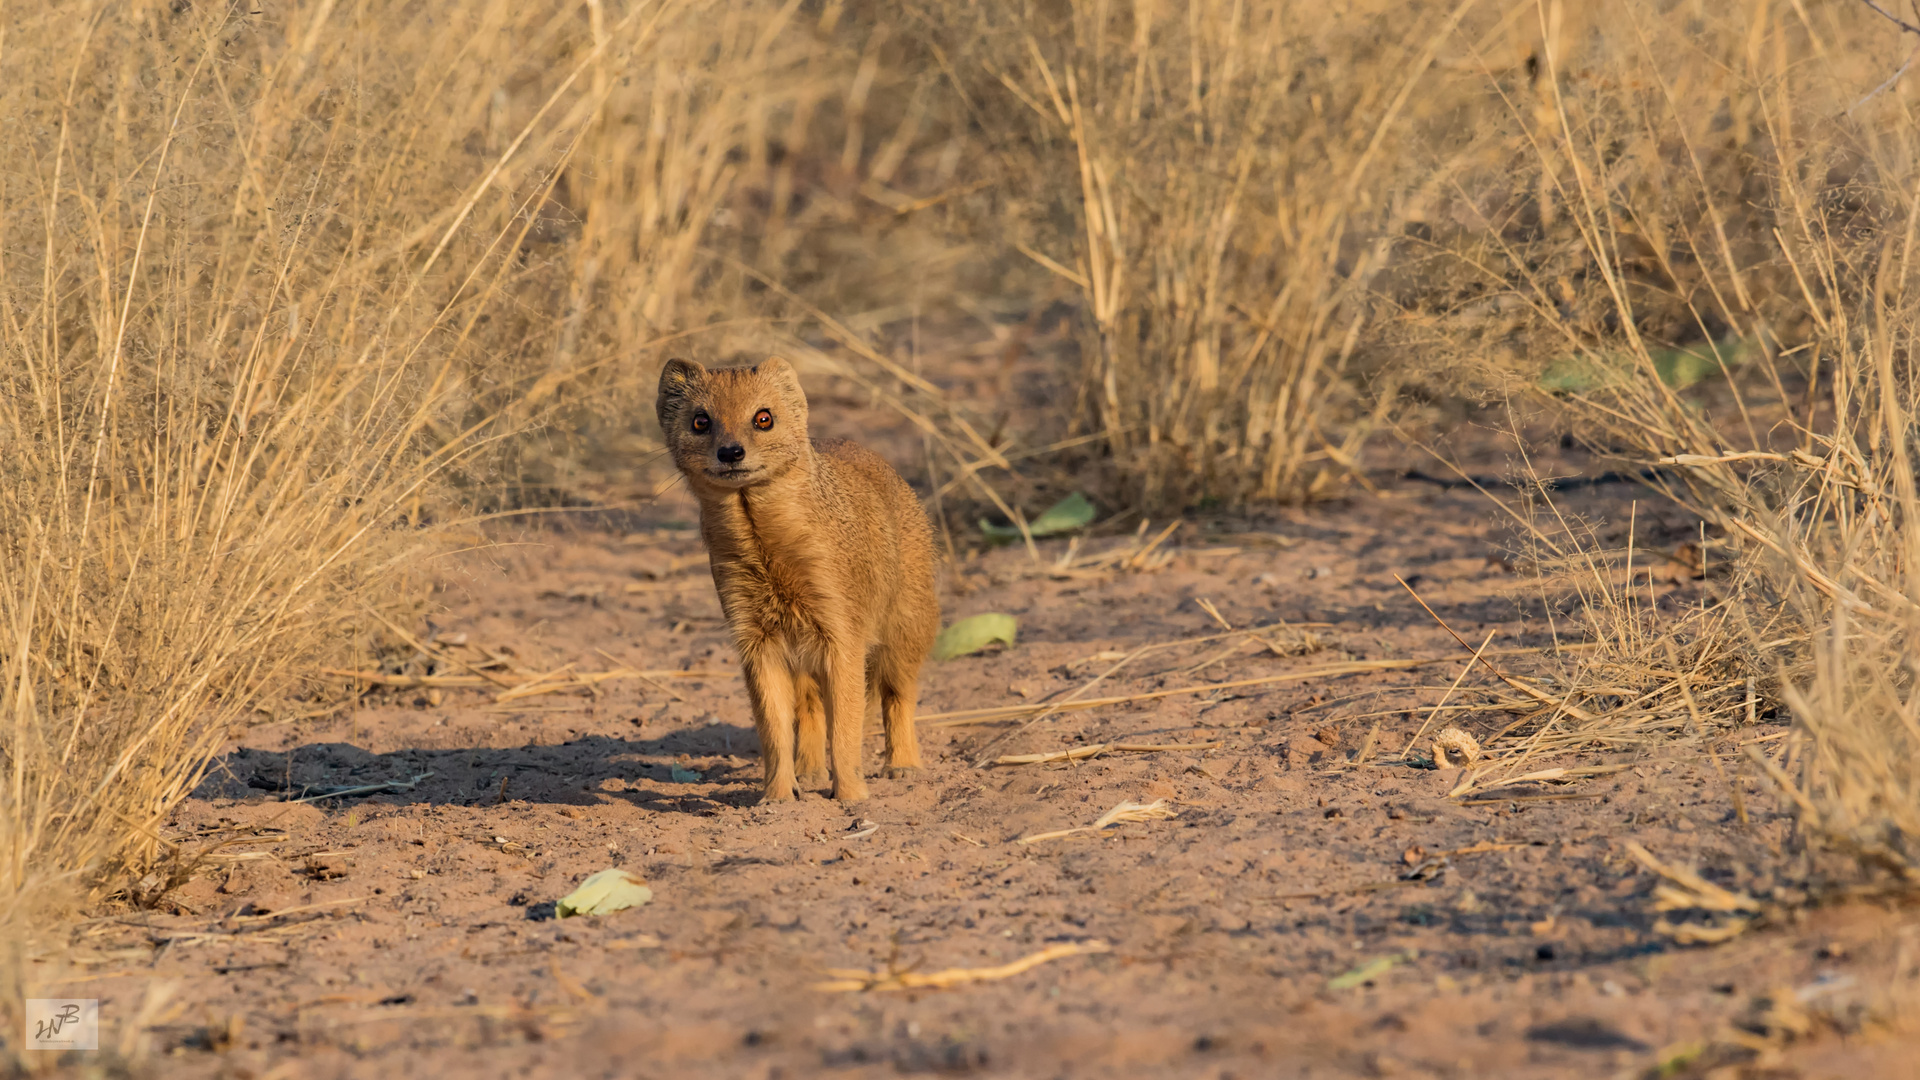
276, 285
1222, 167
278, 290
1746, 226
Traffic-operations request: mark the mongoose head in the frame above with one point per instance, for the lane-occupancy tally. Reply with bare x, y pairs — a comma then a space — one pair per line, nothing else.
732, 428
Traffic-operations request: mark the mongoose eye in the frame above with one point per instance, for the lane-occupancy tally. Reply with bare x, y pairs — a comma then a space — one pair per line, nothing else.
701, 423
763, 420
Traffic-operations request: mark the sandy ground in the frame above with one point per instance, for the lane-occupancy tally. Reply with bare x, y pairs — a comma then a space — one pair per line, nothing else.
410, 932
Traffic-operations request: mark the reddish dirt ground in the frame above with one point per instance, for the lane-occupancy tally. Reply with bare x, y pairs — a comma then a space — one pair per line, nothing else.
409, 932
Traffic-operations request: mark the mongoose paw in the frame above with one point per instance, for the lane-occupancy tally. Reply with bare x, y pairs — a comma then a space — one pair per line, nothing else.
852, 792
902, 772
814, 781
777, 793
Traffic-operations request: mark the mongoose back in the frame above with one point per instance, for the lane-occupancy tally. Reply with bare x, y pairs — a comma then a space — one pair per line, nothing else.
824, 563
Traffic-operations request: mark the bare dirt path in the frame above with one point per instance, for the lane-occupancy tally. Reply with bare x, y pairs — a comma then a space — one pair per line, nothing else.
407, 932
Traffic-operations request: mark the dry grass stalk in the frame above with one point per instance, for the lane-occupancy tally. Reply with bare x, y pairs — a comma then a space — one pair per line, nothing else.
1123, 813
854, 980
1073, 700
253, 328
1223, 239
1139, 554
1438, 706
1081, 752
1686, 890
490, 668
1013, 712
1473, 783
1746, 330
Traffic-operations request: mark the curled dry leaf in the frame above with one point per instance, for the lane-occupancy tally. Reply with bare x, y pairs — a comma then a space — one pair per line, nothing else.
1453, 740
605, 893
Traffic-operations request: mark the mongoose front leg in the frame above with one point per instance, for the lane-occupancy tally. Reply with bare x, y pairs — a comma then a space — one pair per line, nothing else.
846, 694
810, 754
770, 686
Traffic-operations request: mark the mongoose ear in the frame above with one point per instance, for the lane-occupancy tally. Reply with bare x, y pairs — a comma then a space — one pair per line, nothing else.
678, 377
677, 380
779, 372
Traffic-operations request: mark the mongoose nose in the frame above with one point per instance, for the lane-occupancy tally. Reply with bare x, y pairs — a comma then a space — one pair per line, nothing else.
730, 453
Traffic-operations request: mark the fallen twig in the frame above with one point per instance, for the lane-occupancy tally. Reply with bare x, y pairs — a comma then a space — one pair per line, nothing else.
310, 793
856, 981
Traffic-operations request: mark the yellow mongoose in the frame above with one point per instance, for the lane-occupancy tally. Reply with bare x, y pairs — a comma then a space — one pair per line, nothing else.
824, 563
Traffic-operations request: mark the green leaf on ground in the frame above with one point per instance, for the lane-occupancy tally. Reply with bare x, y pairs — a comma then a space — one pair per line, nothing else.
1070, 513
1365, 973
603, 894
685, 776
973, 633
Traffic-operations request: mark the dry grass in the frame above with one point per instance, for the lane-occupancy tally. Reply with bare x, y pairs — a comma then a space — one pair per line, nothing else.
1727, 200
277, 288
280, 293
1216, 182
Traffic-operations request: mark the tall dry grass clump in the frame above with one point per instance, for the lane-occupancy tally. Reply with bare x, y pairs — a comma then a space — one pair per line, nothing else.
1219, 184
282, 292
276, 289
1699, 235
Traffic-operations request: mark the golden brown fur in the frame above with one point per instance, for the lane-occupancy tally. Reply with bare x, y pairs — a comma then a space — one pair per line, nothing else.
824, 564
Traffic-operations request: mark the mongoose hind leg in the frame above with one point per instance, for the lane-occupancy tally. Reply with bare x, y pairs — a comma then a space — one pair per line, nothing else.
899, 680
810, 751
770, 686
